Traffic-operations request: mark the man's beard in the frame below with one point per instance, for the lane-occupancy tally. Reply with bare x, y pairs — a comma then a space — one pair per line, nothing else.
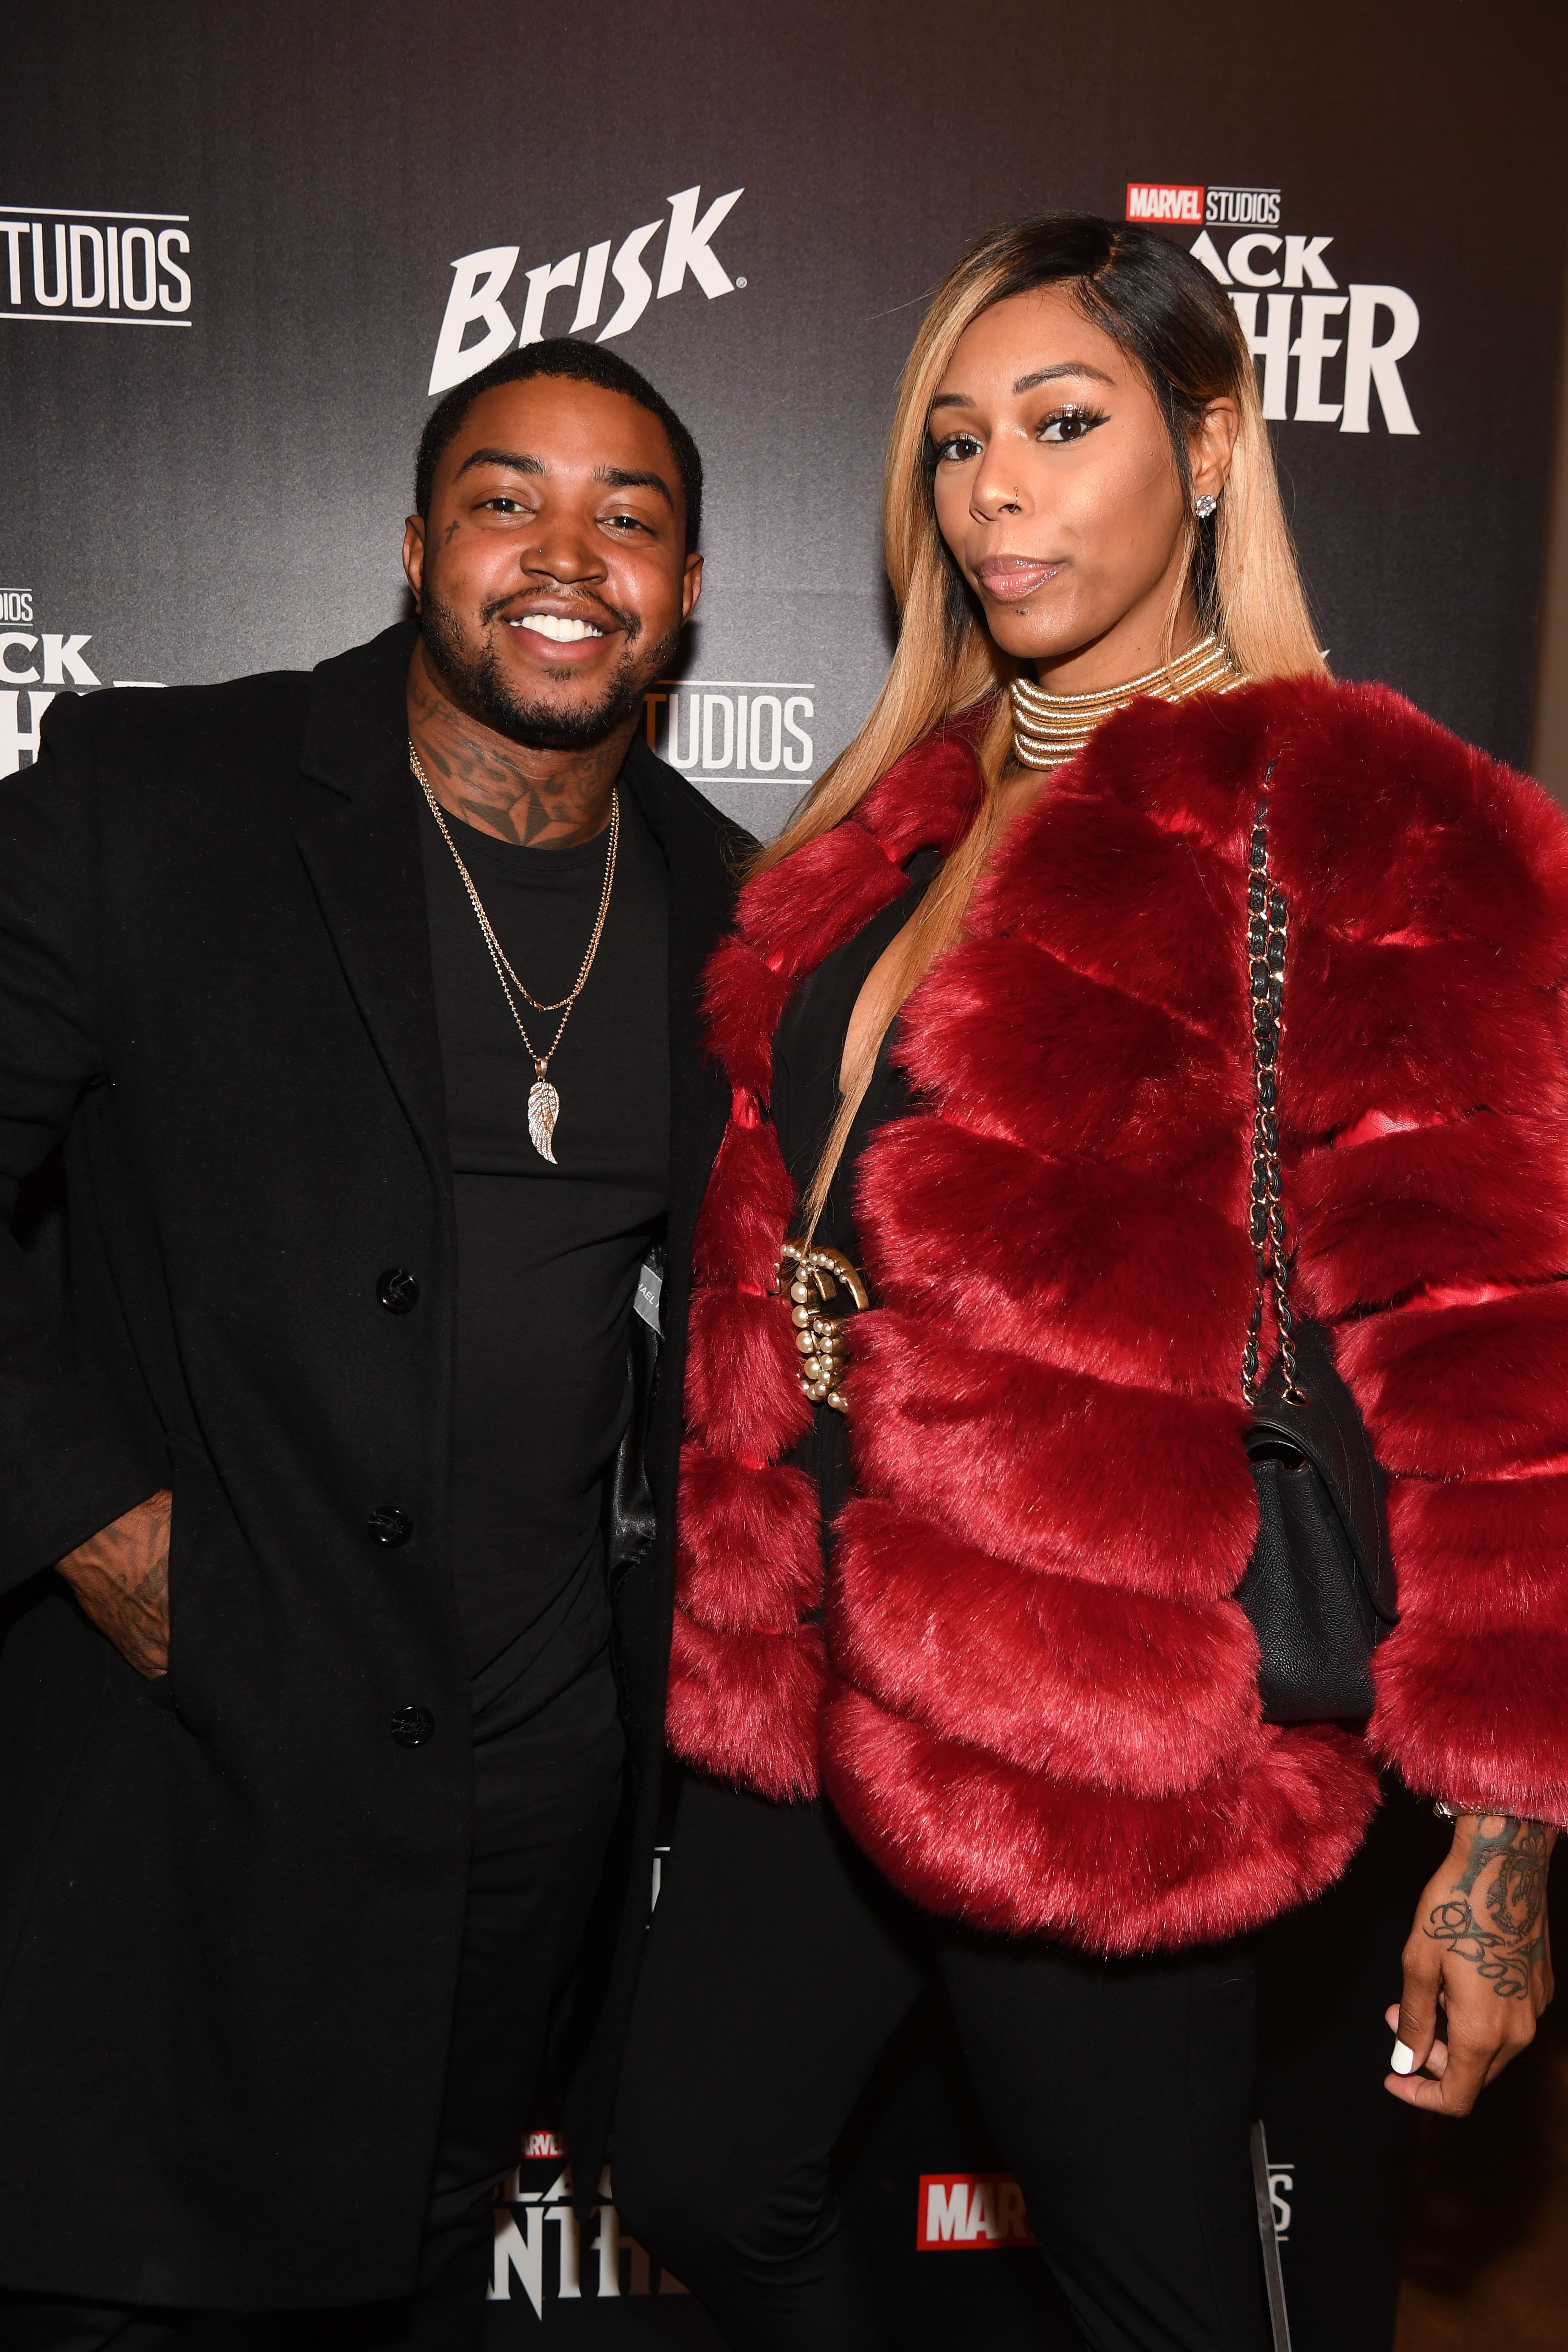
473, 677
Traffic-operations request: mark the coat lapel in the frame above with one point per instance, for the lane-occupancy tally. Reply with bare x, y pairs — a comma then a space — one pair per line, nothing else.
360, 848
701, 903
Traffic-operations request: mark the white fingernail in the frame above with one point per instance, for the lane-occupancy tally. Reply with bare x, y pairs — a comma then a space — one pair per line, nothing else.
1402, 2061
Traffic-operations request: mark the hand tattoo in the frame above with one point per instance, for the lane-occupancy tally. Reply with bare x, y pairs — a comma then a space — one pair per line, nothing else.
1507, 1951
121, 1578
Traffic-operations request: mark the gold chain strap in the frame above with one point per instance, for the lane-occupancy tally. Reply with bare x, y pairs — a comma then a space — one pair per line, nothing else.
1266, 924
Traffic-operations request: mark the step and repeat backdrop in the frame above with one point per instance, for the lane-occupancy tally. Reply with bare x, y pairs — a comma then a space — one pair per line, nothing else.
242, 250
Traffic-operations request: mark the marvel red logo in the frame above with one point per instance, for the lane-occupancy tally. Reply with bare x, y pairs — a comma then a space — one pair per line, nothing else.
970, 2209
1155, 200
541, 2143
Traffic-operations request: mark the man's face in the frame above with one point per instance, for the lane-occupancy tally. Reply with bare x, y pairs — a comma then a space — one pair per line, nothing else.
551, 572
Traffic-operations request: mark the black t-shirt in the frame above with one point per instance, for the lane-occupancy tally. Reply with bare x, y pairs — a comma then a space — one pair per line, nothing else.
547, 1256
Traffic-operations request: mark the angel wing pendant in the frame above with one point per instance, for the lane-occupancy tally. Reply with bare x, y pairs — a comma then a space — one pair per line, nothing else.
544, 1110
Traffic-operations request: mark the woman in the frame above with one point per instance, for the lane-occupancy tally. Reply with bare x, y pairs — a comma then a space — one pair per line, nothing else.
986, 1018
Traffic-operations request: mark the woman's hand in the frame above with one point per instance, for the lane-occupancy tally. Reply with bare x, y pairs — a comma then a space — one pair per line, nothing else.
1479, 1946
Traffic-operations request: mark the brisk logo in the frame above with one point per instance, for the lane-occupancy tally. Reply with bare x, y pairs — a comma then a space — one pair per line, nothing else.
94, 269
480, 279
971, 2209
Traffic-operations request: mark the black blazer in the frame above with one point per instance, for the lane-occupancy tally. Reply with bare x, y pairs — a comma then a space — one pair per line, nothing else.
230, 1902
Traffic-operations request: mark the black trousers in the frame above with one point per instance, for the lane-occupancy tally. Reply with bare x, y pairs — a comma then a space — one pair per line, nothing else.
545, 1797
777, 1969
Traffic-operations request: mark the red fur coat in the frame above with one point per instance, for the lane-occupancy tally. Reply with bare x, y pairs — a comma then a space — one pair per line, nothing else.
1035, 1702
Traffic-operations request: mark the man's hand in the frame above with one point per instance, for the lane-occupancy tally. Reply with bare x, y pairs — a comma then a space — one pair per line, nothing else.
1480, 1947
121, 1577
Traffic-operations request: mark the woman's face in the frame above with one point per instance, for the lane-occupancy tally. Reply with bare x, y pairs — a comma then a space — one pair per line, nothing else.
1057, 487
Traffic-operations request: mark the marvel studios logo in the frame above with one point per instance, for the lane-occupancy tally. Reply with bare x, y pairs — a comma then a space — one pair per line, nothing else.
94, 269
1224, 207
972, 2211
741, 731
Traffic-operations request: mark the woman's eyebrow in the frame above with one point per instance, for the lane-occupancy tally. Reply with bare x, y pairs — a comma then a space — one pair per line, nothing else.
1063, 367
1027, 383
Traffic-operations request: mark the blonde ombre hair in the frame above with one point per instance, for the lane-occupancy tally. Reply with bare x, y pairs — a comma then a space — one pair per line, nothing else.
1174, 322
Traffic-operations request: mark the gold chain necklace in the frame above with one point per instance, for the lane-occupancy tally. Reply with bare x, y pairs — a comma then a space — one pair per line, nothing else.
1049, 730
543, 1100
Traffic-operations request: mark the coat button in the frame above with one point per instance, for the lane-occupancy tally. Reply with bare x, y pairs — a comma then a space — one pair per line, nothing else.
387, 1525
412, 1726
397, 1290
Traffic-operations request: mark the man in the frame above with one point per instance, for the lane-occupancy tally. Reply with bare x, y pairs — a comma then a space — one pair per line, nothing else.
363, 1004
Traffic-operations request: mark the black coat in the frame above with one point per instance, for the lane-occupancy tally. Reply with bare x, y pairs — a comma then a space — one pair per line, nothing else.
231, 1902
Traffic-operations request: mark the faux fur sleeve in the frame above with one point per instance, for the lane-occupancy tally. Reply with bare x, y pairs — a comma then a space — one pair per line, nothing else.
1424, 1087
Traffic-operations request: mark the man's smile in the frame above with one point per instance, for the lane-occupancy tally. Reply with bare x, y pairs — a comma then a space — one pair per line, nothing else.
560, 631
573, 628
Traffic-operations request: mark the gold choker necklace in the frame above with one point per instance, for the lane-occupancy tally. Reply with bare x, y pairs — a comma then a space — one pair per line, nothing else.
1049, 730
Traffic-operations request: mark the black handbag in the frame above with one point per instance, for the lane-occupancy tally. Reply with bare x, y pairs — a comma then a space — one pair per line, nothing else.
1319, 1587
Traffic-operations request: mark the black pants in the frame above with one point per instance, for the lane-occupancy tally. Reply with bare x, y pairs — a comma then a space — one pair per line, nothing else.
545, 1797
777, 1969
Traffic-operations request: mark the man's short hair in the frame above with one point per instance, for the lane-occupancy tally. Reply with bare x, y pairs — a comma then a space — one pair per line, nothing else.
582, 363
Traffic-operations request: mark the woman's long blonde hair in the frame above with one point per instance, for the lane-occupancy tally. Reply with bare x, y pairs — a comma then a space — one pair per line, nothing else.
1169, 315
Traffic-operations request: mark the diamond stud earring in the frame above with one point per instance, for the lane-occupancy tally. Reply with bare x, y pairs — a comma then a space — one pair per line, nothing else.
1203, 508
